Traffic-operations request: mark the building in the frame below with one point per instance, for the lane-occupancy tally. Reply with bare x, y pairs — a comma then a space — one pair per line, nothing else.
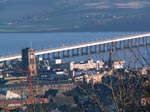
118, 64
90, 64
145, 101
143, 71
28, 60
7, 95
96, 78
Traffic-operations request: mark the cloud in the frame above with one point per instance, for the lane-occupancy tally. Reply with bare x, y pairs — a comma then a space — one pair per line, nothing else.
101, 5
133, 5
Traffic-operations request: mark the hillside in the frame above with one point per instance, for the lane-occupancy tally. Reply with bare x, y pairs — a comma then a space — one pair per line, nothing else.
73, 15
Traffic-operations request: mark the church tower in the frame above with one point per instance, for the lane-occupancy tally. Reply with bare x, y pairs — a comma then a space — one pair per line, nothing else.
28, 60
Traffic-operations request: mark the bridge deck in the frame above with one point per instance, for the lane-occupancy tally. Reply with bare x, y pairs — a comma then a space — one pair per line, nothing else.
40, 52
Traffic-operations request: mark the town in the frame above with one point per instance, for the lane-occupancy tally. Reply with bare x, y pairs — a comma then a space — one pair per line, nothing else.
92, 85
74, 56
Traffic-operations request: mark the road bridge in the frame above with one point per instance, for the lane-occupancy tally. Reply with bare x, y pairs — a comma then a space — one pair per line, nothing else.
130, 41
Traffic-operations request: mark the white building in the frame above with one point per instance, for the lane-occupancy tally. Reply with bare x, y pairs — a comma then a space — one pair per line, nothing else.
9, 95
96, 78
90, 64
12, 95
118, 64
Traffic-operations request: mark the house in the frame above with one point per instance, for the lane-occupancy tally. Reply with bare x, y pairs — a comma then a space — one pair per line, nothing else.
143, 71
118, 64
145, 101
9, 95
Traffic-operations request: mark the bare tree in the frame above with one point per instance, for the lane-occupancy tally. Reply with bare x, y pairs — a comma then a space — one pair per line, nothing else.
125, 91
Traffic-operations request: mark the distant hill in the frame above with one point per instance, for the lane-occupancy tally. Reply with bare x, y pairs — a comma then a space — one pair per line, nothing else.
74, 15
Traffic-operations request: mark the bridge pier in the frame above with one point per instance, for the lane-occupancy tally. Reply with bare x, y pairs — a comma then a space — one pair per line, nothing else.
88, 50
97, 48
56, 55
136, 43
65, 54
91, 50
108, 47
126, 44
130, 43
102, 48
44, 56
83, 51
121, 44
74, 52
49, 56
79, 51
142, 42
116, 46
111, 46
145, 41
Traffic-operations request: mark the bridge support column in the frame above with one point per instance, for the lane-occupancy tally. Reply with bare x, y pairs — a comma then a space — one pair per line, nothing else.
53, 55
74, 52
103, 47
84, 51
121, 44
107, 47
139, 41
117, 45
131, 43
89, 50
113, 46
94, 49
97, 48
143, 41
78, 51
136, 42
100, 48
44, 56
146, 41
56, 55
65, 53
126, 44
49, 56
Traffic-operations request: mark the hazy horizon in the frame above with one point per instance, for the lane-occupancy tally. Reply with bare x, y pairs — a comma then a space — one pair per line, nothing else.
74, 15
